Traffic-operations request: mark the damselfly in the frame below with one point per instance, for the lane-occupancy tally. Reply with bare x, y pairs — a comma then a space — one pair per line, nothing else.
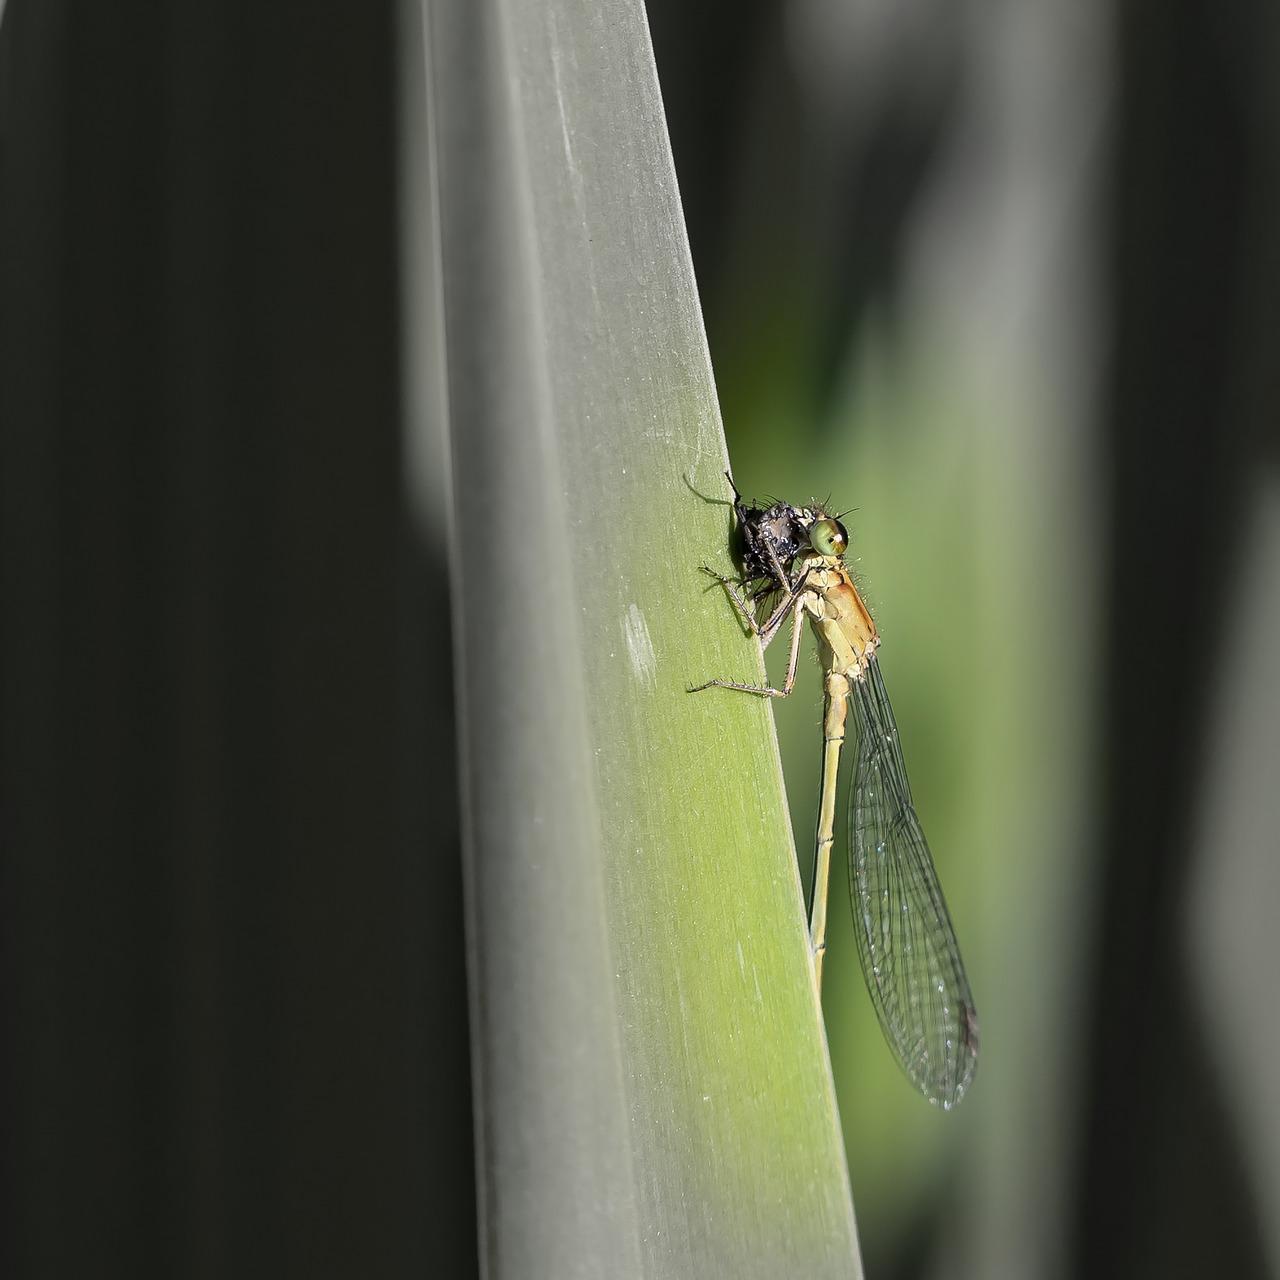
910, 957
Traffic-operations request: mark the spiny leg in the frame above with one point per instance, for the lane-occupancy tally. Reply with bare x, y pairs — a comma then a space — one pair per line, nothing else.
767, 691
764, 632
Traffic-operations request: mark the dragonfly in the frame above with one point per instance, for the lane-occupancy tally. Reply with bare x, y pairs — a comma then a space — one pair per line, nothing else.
793, 567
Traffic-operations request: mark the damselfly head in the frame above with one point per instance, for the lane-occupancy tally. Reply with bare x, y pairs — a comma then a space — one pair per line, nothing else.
828, 537
772, 537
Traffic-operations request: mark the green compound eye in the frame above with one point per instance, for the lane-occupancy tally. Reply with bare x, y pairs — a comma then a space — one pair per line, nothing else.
828, 538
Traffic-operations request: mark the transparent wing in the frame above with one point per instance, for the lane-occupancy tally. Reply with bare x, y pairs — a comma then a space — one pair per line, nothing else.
910, 956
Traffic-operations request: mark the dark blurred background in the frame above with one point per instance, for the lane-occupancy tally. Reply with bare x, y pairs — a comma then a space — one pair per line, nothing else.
234, 990
1004, 277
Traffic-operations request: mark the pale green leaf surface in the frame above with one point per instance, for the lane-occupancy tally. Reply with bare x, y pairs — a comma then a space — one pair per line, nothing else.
652, 1084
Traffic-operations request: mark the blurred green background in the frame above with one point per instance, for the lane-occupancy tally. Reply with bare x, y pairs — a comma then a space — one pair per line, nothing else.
1003, 281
